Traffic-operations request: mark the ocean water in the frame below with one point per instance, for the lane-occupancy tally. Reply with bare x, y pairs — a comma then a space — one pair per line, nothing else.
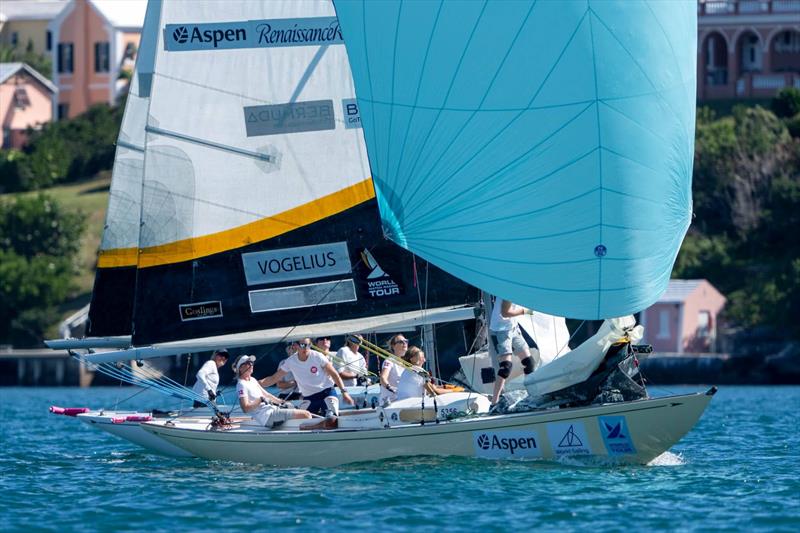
739, 469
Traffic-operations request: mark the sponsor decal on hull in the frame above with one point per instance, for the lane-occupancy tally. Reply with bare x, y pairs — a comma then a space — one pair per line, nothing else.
316, 31
200, 310
616, 435
568, 438
506, 444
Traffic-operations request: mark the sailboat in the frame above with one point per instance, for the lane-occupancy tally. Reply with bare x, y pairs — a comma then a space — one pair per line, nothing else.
539, 151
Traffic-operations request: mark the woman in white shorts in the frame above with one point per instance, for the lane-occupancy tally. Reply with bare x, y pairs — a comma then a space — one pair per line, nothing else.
266, 409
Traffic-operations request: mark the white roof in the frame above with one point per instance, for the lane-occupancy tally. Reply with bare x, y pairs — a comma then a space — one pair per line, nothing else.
679, 289
31, 9
9, 69
122, 13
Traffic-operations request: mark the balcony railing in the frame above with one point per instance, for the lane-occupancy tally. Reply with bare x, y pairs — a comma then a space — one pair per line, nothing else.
746, 7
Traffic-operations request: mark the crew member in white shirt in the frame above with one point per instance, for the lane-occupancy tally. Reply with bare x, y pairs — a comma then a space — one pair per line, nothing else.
287, 384
349, 363
414, 383
208, 377
315, 377
265, 408
391, 371
507, 339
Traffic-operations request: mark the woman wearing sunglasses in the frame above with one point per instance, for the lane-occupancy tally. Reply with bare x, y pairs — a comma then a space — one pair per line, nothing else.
391, 371
315, 377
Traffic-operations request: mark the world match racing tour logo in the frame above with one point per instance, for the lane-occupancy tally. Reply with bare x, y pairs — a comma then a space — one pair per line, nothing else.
253, 34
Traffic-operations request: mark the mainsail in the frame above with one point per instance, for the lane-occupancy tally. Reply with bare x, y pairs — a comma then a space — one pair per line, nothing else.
111, 308
541, 151
258, 209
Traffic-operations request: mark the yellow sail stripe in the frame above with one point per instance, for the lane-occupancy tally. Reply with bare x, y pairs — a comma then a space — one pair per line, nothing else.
117, 257
260, 230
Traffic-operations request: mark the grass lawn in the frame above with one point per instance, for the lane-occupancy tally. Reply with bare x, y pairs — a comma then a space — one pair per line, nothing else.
89, 197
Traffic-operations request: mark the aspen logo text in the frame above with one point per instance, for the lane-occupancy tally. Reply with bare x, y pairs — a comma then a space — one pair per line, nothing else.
182, 35
506, 444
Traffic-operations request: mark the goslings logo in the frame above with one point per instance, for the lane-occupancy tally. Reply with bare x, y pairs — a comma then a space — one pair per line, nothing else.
181, 34
506, 444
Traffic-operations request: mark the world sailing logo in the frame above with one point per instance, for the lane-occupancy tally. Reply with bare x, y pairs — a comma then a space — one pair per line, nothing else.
568, 438
379, 283
506, 444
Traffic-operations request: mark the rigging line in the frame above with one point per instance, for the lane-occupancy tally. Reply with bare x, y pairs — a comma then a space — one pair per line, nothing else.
209, 144
502, 109
487, 91
447, 94
530, 102
487, 184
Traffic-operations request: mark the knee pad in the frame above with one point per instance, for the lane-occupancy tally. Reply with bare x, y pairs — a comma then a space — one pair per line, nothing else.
527, 365
332, 403
505, 369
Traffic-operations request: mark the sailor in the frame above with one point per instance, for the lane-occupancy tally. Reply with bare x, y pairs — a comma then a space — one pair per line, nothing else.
324, 344
414, 382
287, 384
315, 377
506, 338
349, 363
208, 378
391, 371
265, 408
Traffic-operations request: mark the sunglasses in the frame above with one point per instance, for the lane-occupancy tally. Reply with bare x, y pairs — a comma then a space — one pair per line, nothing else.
401, 341
245, 364
302, 344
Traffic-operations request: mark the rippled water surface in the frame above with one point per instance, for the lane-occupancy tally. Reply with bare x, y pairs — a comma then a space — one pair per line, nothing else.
739, 469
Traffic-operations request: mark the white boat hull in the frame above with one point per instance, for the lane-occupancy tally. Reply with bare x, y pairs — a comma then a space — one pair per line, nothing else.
630, 432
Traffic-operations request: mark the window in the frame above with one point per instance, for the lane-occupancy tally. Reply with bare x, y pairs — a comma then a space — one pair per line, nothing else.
65, 65
21, 100
14, 39
703, 324
63, 111
49, 40
6, 137
663, 324
101, 57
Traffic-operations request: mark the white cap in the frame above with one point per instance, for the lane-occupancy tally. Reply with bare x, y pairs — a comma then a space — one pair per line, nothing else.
242, 360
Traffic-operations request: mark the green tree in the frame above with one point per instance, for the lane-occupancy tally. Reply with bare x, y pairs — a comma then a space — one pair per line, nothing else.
15, 54
786, 103
39, 242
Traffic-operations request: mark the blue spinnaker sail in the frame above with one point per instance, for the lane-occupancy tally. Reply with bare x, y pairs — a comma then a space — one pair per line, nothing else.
541, 151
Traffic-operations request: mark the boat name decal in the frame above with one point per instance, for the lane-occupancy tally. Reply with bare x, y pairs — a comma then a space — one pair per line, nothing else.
506, 444
616, 435
200, 310
315, 31
304, 262
294, 117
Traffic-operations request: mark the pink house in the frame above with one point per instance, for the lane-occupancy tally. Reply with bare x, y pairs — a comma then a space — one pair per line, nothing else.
95, 43
26, 101
684, 319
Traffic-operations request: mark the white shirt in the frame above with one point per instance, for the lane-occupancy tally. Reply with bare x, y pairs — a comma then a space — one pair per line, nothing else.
395, 371
346, 360
498, 322
250, 390
207, 379
310, 374
411, 385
